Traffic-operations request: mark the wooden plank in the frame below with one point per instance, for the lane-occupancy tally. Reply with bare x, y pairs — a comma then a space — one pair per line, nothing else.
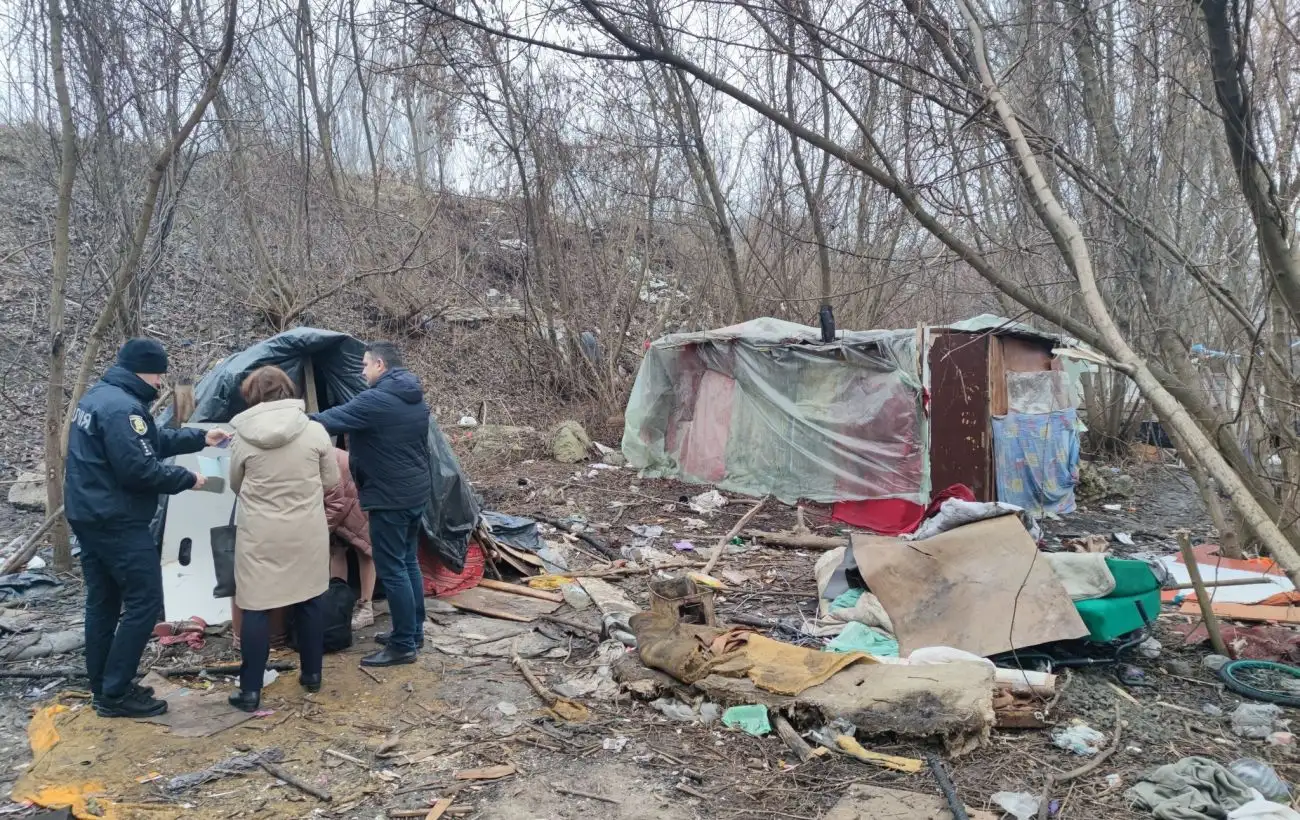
309, 386
527, 592
1247, 612
504, 605
999, 402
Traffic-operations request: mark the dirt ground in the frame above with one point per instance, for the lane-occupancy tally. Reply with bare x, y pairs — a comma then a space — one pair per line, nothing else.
396, 741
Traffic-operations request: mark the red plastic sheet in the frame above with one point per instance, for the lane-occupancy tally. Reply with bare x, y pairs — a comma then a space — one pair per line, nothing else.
441, 582
894, 516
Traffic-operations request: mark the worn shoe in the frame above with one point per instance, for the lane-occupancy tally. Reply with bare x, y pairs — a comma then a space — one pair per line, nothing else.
389, 657
245, 701
130, 705
136, 689
310, 682
364, 615
381, 638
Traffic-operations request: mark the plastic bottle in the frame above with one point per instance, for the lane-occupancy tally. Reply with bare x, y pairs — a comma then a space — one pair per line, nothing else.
1260, 775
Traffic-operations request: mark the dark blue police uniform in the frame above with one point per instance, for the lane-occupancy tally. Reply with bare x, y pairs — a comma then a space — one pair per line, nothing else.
111, 486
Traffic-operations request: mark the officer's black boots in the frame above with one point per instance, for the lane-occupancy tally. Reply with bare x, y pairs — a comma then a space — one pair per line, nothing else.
134, 704
245, 701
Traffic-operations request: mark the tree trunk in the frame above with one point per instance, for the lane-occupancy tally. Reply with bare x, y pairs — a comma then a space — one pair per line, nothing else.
54, 457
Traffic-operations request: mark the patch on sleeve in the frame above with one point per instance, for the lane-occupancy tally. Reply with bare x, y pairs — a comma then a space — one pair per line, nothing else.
138, 425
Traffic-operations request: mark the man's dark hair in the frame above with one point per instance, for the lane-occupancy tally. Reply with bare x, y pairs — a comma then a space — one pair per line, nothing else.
385, 352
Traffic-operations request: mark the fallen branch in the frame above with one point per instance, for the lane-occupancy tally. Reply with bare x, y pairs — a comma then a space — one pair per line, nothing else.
349, 758
220, 669
726, 539
565, 708
1100, 758
555, 619
52, 672
28, 547
280, 774
797, 540
797, 744
588, 795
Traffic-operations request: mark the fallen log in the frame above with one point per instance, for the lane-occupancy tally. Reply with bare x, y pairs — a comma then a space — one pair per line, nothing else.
797, 744
797, 540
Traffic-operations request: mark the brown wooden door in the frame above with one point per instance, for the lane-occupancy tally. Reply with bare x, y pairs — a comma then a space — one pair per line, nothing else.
961, 431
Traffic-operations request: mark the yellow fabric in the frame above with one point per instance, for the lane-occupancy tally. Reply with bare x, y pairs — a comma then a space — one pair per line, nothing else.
787, 669
84, 797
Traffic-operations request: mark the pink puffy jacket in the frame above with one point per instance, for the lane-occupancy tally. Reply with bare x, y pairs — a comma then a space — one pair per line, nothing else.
343, 510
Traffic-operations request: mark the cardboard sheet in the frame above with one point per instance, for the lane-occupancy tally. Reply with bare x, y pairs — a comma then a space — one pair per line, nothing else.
983, 588
504, 605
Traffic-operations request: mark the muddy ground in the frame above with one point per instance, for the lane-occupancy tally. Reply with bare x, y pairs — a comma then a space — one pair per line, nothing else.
409, 731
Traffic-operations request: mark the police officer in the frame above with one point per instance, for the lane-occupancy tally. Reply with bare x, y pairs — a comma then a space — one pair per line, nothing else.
111, 487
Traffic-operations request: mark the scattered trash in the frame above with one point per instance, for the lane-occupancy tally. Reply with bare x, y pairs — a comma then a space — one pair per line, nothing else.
1093, 544
708, 503
1263, 810
229, 766
1259, 775
1214, 662
468, 421
35, 562
1113, 780
575, 596
614, 744
694, 524
705, 713
645, 534
25, 586
1281, 739
570, 443
683, 546
42, 644
1255, 721
269, 677
1112, 507
1211, 710
507, 708
1079, 738
752, 719
1125, 539
1199, 782
858, 637
1150, 649
1020, 805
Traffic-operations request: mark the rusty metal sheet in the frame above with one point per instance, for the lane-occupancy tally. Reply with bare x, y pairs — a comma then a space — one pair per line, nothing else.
961, 435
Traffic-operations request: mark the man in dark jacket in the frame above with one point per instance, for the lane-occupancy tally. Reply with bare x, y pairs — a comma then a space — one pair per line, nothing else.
388, 449
113, 478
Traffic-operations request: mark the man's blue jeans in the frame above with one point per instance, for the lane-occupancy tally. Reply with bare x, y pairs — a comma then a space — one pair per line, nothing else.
395, 544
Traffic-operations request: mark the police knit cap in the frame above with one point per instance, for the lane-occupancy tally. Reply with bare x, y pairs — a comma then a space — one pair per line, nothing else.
143, 356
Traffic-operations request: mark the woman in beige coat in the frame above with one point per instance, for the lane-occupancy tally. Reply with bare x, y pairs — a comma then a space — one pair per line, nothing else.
281, 464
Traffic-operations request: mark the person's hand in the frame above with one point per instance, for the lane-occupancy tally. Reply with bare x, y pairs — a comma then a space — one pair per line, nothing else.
215, 437
199, 481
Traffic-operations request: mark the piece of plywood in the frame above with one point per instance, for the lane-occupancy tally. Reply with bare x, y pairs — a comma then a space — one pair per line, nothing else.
503, 605
864, 802
983, 588
1247, 612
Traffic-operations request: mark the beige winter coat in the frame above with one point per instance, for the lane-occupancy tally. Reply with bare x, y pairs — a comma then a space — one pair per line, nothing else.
281, 463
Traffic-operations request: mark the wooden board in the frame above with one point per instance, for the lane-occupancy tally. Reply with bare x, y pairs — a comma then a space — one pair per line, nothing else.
1247, 612
983, 588
504, 605
863, 802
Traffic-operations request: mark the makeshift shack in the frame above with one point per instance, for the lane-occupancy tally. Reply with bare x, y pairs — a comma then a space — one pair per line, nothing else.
326, 366
873, 417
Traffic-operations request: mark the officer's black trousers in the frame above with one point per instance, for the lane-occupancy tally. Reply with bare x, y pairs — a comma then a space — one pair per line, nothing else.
124, 596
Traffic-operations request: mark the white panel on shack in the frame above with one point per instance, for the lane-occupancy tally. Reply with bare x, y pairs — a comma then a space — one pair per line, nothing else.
187, 590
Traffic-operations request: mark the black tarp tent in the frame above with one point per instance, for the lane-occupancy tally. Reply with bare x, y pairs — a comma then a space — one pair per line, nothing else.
453, 509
